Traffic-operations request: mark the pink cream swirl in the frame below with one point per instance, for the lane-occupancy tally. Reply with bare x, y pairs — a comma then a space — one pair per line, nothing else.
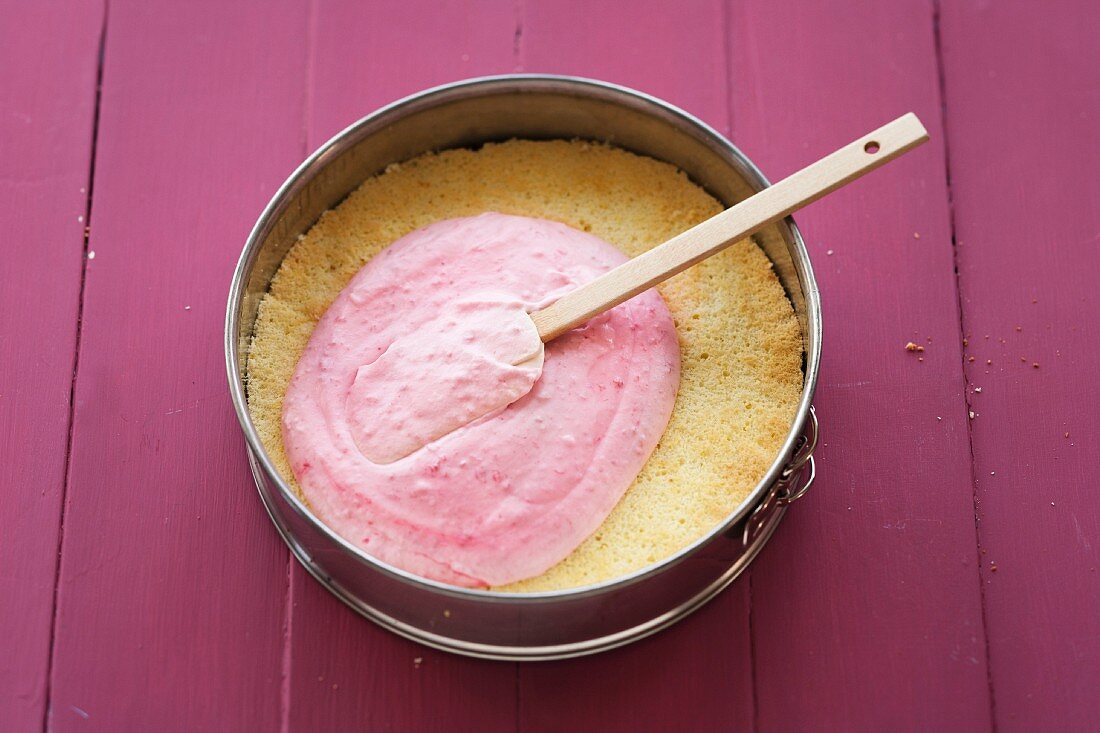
505, 497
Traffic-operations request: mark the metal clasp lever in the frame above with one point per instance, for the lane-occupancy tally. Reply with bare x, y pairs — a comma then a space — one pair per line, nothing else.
794, 481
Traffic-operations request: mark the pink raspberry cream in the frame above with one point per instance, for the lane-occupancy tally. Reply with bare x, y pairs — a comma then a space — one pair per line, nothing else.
420, 429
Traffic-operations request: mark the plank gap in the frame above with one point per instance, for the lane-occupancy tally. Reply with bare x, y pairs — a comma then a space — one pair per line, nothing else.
310, 46
90, 187
520, 10
286, 680
727, 51
752, 658
941, 86
288, 620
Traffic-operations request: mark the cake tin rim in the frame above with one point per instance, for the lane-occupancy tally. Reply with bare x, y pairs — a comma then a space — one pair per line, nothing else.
502, 84
532, 653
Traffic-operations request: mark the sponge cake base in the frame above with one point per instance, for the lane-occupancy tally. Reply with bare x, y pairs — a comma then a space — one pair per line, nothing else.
740, 343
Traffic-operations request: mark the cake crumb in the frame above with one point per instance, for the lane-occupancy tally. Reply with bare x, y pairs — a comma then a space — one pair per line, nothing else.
829, 252
417, 661
91, 254
916, 235
978, 389
971, 359
988, 362
1034, 365
1018, 328
910, 346
187, 307
1067, 435
966, 342
446, 613
973, 414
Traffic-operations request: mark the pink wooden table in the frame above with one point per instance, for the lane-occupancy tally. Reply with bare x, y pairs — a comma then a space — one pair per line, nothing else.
942, 573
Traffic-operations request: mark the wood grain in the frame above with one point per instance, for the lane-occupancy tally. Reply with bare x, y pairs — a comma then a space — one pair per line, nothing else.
1022, 89
172, 584
694, 676
866, 610
345, 671
708, 238
46, 121
697, 675
365, 55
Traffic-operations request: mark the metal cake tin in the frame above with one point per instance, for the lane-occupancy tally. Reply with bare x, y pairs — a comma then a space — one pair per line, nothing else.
545, 625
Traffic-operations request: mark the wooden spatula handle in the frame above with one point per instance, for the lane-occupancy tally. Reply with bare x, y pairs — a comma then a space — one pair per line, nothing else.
732, 225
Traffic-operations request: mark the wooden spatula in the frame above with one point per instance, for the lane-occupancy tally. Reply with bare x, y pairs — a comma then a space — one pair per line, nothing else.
732, 225
392, 427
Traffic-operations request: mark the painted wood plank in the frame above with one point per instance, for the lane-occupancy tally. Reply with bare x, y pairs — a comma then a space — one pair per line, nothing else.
46, 119
342, 667
1022, 84
866, 608
173, 585
366, 55
697, 675
694, 676
675, 52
